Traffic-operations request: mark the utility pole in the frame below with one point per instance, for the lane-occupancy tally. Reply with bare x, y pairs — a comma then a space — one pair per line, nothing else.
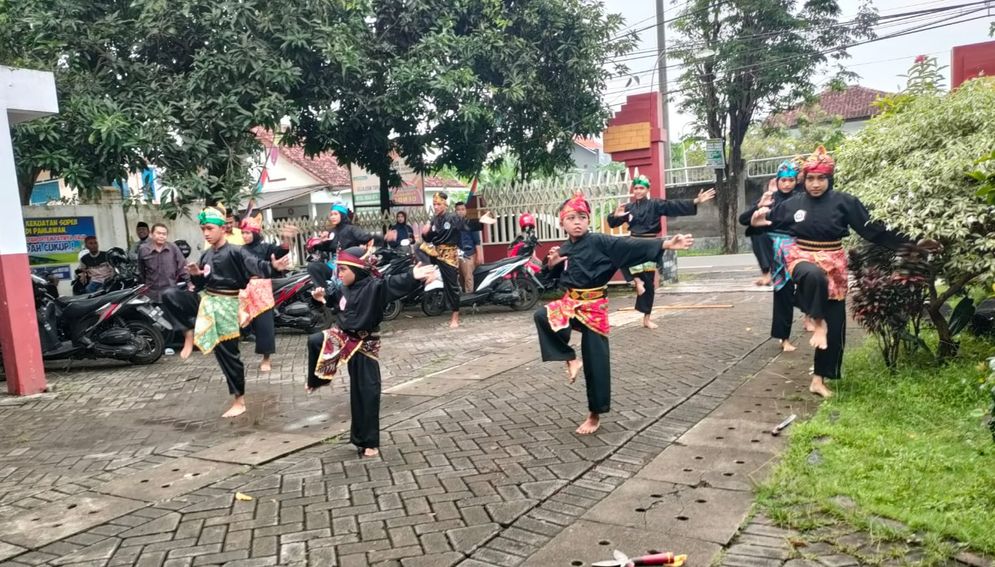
661, 61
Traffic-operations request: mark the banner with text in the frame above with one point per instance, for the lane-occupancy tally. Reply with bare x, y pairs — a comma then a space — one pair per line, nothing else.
54, 243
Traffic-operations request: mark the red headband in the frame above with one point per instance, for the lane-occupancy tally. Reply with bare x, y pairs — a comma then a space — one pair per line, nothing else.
575, 204
819, 162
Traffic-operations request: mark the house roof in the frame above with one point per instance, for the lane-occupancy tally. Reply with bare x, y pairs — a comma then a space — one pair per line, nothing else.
274, 198
323, 167
853, 103
589, 144
327, 169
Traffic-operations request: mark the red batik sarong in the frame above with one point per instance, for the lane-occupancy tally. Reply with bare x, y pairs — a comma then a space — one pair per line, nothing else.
833, 262
588, 306
254, 300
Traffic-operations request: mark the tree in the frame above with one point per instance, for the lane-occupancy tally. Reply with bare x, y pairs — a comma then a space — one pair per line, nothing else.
762, 54
813, 126
445, 84
175, 83
910, 165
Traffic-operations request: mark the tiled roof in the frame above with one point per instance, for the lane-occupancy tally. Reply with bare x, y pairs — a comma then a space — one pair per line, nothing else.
433, 181
587, 143
853, 103
327, 169
323, 167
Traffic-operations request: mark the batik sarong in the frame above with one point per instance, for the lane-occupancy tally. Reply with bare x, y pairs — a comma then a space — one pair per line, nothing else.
254, 300
447, 253
832, 262
340, 346
779, 270
588, 306
217, 321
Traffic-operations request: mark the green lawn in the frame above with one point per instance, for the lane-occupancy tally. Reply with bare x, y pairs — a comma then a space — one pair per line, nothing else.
912, 446
699, 252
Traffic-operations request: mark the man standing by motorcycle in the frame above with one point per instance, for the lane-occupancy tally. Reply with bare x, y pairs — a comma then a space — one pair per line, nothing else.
161, 264
211, 320
471, 252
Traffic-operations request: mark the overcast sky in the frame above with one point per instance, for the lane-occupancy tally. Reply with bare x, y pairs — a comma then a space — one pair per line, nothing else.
879, 64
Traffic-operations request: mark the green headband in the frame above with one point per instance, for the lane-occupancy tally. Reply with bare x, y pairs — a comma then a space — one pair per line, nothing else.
641, 181
210, 215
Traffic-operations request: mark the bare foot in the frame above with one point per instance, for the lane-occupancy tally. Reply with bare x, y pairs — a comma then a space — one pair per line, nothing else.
762, 280
808, 324
265, 365
310, 390
237, 407
786, 346
573, 369
590, 424
454, 321
648, 323
640, 286
187, 345
371, 452
820, 338
818, 387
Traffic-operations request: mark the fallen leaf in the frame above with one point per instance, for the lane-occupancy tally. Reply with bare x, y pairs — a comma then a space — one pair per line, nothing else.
242, 497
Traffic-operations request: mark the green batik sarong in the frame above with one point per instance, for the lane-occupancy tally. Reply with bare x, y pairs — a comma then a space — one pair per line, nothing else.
217, 321
644, 267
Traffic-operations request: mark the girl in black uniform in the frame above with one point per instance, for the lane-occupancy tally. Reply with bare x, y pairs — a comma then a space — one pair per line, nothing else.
342, 234
355, 339
819, 219
263, 323
777, 244
643, 215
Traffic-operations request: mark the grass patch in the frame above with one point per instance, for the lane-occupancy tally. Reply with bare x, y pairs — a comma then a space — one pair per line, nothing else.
910, 445
699, 252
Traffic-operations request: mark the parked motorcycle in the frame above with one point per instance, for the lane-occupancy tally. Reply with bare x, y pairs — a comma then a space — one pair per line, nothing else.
112, 324
392, 261
294, 307
520, 291
525, 245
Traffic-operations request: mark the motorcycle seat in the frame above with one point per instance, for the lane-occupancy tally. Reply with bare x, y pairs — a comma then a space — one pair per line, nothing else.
81, 304
283, 282
483, 268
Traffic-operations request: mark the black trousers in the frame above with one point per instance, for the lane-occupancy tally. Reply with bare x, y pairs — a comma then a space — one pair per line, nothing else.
227, 355
763, 249
555, 345
784, 311
644, 302
320, 273
813, 299
264, 327
450, 284
364, 392
180, 308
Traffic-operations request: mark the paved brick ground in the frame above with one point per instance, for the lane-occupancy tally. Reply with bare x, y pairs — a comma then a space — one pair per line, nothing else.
107, 419
486, 476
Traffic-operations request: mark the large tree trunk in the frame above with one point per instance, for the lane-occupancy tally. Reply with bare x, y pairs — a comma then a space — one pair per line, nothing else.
725, 199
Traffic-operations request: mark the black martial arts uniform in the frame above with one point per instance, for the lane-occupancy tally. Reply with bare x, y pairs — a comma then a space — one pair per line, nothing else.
819, 224
231, 268
359, 318
643, 217
764, 241
444, 235
590, 263
345, 235
264, 325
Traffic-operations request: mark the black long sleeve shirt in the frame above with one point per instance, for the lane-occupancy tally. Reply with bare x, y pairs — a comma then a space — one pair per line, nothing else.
360, 306
830, 217
447, 227
747, 216
346, 235
593, 259
265, 251
644, 215
230, 268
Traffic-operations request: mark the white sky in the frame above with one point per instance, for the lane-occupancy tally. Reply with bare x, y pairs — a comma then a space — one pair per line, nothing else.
879, 64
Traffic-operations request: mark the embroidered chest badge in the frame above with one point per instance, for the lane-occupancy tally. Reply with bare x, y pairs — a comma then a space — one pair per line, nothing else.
446, 226
800, 215
342, 303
